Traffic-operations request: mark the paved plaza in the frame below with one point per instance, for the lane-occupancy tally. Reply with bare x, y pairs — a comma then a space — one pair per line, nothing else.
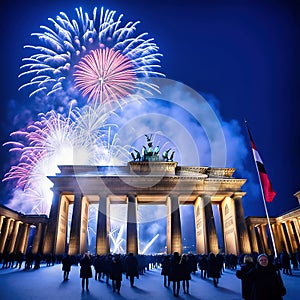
47, 283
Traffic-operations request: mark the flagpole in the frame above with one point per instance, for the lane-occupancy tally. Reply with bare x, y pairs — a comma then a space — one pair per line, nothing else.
264, 202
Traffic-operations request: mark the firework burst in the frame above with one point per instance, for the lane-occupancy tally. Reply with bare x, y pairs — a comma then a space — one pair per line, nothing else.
84, 137
44, 144
105, 75
99, 46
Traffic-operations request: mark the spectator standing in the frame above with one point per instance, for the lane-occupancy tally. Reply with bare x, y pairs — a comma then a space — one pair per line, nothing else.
66, 266
131, 267
294, 261
213, 269
165, 270
185, 269
98, 267
19, 259
107, 267
285, 262
116, 273
37, 260
48, 260
175, 273
192, 261
85, 271
203, 266
246, 266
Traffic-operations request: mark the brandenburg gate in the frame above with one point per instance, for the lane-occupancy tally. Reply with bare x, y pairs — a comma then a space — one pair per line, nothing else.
147, 182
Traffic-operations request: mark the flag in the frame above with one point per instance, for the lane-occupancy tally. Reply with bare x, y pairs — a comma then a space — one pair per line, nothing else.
269, 193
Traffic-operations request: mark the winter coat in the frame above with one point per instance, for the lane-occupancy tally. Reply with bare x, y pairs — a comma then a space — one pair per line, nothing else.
175, 269
246, 282
131, 265
85, 267
185, 269
116, 270
66, 263
165, 266
266, 283
203, 262
213, 269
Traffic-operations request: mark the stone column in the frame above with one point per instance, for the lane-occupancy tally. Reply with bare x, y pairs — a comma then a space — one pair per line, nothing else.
13, 237
84, 224
297, 228
52, 223
37, 239
62, 226
277, 237
291, 236
285, 242
174, 236
4, 233
265, 239
44, 226
132, 239
26, 238
241, 227
201, 246
75, 234
20, 238
1, 223
212, 239
254, 244
103, 226
261, 246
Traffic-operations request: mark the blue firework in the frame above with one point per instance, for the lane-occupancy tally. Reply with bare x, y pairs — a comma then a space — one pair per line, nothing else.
66, 42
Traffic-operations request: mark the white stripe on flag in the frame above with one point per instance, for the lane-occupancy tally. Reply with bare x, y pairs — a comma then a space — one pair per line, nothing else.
257, 156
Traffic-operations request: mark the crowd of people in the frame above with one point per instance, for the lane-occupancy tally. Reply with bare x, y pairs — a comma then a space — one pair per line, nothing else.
259, 273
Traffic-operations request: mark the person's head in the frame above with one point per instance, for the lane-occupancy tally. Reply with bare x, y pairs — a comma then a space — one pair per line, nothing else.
248, 259
263, 260
116, 257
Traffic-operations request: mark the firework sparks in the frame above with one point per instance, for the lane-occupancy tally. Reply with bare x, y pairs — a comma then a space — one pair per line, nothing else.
91, 122
99, 46
105, 75
149, 244
84, 137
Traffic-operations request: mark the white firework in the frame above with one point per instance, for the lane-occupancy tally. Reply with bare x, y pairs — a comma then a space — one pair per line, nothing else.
66, 42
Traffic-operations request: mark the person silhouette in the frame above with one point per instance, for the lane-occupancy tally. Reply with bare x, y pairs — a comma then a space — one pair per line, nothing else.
85, 271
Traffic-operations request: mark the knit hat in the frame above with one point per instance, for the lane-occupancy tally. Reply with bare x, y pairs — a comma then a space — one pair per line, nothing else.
261, 255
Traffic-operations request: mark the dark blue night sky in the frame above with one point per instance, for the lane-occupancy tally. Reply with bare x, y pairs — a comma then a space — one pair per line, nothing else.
244, 54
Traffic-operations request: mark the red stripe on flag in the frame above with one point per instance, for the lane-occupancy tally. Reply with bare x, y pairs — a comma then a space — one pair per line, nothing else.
267, 187
268, 191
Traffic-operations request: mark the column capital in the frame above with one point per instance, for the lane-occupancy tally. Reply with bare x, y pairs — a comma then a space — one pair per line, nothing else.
202, 195
238, 195
173, 195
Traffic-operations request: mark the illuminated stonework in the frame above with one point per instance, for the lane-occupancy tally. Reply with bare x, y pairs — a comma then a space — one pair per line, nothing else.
49, 235
147, 183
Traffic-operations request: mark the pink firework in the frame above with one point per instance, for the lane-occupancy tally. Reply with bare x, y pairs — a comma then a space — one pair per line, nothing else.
105, 75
